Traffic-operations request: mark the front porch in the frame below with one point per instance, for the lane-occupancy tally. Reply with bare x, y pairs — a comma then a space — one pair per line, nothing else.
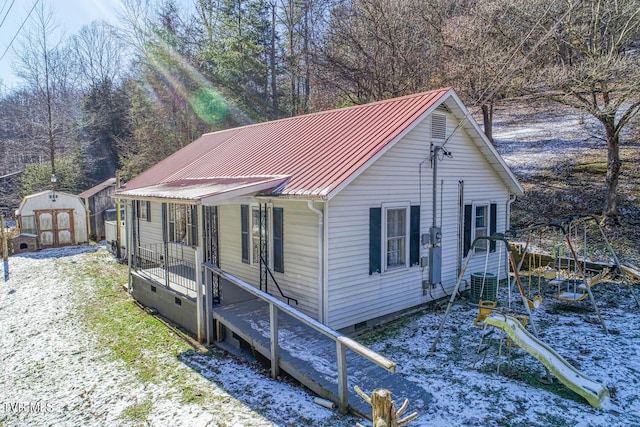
168, 264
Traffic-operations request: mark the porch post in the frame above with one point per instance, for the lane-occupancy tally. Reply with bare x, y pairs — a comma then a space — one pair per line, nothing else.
130, 228
199, 295
198, 272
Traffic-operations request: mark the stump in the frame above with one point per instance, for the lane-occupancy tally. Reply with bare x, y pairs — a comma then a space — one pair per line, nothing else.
384, 412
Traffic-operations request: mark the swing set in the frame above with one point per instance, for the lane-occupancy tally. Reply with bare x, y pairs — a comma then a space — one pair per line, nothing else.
486, 307
562, 269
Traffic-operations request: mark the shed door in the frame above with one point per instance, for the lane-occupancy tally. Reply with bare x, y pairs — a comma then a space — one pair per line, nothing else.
55, 227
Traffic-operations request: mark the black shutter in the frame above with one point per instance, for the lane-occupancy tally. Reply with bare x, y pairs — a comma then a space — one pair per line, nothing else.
278, 240
194, 226
414, 236
148, 211
244, 220
375, 248
164, 223
137, 207
468, 218
493, 220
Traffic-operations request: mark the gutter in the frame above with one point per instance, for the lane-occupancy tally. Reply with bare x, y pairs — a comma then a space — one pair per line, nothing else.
320, 258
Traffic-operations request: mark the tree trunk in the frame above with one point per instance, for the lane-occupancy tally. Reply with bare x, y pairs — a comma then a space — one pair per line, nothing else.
487, 119
614, 164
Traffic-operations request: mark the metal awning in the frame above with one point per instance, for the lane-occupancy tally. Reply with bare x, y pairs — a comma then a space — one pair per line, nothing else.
204, 191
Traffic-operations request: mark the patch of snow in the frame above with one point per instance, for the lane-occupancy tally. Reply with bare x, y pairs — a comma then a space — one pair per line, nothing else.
49, 359
55, 373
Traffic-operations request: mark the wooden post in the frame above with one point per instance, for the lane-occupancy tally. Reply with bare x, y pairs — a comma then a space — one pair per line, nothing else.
199, 308
5, 248
118, 220
384, 412
202, 323
208, 306
275, 346
343, 395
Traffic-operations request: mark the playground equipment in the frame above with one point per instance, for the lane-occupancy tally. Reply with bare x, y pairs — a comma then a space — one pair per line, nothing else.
498, 238
594, 393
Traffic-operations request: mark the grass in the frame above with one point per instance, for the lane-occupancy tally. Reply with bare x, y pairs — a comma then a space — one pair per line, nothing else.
595, 169
138, 412
146, 345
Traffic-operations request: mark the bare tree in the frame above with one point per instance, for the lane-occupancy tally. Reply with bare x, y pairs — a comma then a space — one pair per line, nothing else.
593, 65
378, 49
98, 54
487, 45
44, 65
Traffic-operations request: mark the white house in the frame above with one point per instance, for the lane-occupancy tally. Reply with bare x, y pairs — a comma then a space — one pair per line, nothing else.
56, 217
357, 213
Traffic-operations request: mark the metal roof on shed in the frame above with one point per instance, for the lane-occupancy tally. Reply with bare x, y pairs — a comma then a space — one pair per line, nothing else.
318, 152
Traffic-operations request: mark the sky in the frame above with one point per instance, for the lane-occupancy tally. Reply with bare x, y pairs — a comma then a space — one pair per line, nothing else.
70, 15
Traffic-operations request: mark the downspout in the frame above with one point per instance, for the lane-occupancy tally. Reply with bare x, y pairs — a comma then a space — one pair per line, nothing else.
320, 258
507, 213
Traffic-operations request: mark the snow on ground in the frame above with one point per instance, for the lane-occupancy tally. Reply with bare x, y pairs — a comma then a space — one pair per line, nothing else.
555, 137
54, 372
50, 358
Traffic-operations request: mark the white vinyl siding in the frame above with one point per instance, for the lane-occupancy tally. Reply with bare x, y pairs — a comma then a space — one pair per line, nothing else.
404, 173
300, 248
151, 231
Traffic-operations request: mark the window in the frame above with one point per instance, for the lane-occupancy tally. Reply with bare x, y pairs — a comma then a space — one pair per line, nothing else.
394, 237
480, 219
183, 225
144, 210
258, 233
258, 226
480, 227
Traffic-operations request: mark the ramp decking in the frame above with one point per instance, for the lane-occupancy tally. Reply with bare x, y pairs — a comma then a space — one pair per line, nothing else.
310, 357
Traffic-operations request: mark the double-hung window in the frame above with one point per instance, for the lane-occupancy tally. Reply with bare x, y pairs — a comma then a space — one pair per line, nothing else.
481, 227
144, 210
396, 233
183, 226
480, 219
394, 237
259, 233
262, 230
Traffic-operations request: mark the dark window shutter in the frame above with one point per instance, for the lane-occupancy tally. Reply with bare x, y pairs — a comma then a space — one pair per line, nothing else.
194, 226
148, 211
493, 221
414, 236
137, 208
278, 240
375, 248
164, 222
468, 211
244, 220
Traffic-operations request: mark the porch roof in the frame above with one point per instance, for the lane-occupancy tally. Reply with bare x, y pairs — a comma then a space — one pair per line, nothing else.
205, 191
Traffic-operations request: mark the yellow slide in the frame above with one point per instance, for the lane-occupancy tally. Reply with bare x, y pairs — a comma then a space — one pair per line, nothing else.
593, 392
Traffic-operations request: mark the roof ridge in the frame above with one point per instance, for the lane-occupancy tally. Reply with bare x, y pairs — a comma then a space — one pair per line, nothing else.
334, 110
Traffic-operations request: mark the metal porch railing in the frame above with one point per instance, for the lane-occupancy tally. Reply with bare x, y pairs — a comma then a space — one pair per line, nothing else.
161, 261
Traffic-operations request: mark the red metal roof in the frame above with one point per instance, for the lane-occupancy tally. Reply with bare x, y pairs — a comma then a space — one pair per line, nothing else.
317, 151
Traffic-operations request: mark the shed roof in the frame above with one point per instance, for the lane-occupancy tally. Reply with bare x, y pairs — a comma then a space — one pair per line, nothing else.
319, 153
98, 188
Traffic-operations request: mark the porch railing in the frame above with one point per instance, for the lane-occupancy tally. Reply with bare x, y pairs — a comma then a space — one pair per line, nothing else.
162, 260
342, 342
264, 265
